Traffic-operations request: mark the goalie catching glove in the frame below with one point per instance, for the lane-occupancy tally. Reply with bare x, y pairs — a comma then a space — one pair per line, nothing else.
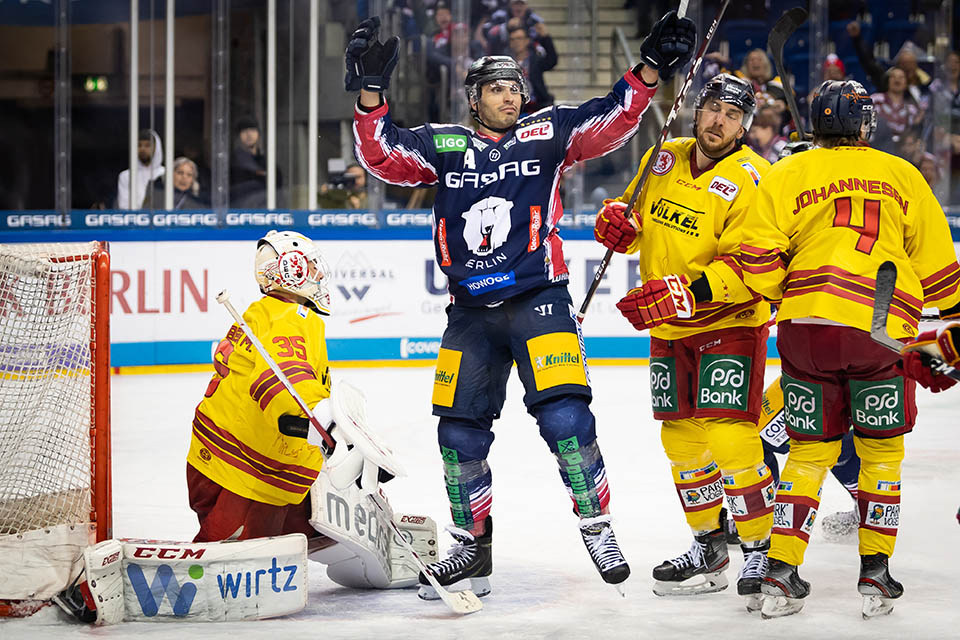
658, 302
613, 229
941, 344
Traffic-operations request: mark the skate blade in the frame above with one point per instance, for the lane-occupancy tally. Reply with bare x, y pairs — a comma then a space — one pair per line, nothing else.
693, 586
753, 602
780, 606
479, 586
620, 589
875, 606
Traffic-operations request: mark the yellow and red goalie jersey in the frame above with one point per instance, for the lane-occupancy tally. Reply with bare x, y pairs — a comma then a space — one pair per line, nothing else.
826, 219
235, 440
691, 225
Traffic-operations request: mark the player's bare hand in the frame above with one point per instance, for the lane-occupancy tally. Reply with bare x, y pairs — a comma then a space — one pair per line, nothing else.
613, 229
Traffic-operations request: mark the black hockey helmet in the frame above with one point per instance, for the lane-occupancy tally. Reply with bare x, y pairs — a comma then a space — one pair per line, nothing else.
488, 69
843, 108
733, 90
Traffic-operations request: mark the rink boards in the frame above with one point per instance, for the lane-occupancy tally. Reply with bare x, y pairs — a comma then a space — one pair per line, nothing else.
389, 295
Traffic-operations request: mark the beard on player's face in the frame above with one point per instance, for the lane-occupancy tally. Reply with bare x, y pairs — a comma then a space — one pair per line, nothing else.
716, 138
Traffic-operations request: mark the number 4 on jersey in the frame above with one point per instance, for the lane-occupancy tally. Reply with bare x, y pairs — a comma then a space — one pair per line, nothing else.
870, 228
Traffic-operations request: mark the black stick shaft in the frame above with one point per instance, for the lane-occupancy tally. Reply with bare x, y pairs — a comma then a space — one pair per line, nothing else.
677, 104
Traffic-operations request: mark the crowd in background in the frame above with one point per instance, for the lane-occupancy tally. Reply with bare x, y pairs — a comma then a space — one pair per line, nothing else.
917, 99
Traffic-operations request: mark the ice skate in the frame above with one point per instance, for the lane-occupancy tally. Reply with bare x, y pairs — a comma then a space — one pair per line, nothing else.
604, 551
699, 570
878, 588
841, 527
783, 590
751, 575
468, 567
730, 531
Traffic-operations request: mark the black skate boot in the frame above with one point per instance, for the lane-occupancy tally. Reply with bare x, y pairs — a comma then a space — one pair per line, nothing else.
730, 530
604, 551
706, 560
878, 588
784, 590
751, 574
468, 567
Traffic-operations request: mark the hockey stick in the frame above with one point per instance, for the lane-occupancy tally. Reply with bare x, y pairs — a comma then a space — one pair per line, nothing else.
674, 110
461, 602
886, 283
789, 22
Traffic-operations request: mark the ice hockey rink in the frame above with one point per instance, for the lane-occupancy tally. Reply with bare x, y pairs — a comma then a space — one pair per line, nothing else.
544, 583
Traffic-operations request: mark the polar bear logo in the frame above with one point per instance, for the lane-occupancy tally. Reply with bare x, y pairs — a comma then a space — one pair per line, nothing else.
487, 225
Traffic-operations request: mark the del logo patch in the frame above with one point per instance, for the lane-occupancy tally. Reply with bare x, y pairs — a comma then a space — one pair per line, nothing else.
538, 131
665, 162
724, 188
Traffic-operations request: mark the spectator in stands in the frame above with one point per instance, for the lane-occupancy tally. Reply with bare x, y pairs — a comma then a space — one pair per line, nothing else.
248, 167
442, 19
917, 79
764, 135
833, 68
150, 156
930, 169
455, 52
896, 112
534, 58
945, 96
496, 31
346, 191
186, 186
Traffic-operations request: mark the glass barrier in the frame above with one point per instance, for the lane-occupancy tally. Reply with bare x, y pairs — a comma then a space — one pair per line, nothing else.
223, 117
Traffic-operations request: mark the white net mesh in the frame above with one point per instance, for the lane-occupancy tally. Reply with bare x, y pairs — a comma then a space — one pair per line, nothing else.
45, 385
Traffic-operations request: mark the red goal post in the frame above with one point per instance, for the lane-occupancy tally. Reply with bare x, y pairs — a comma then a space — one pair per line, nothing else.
55, 489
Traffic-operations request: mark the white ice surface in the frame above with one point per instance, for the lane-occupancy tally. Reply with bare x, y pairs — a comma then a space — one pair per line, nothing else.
544, 584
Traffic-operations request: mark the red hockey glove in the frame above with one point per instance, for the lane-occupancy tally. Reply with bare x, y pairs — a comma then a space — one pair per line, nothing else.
657, 302
613, 229
941, 344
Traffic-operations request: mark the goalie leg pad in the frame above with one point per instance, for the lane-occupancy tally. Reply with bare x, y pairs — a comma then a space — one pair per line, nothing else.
151, 580
368, 555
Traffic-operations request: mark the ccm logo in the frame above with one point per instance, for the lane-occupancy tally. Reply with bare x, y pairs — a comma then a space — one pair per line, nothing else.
174, 553
724, 188
413, 519
544, 131
110, 558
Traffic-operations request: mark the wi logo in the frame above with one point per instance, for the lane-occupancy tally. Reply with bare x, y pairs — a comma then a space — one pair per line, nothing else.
353, 292
164, 584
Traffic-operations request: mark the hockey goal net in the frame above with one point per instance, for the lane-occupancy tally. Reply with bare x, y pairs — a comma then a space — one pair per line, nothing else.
54, 416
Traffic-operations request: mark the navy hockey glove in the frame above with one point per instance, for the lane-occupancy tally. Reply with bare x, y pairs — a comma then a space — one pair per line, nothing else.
670, 45
370, 62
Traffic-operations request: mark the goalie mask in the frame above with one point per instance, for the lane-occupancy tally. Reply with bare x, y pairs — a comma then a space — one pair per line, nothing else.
290, 263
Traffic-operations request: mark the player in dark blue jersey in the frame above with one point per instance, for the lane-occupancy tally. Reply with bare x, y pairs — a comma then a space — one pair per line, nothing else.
496, 238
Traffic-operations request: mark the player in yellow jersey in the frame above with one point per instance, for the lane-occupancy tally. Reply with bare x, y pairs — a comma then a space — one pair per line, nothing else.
708, 334
246, 480
822, 223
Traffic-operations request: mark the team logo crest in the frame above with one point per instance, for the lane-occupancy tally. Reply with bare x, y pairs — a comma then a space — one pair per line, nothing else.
292, 269
665, 162
487, 225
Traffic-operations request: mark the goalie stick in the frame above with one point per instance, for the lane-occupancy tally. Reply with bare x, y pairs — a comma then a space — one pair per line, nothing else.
674, 110
789, 22
460, 602
886, 283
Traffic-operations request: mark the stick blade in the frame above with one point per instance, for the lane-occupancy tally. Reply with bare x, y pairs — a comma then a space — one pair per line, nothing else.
882, 298
461, 602
789, 22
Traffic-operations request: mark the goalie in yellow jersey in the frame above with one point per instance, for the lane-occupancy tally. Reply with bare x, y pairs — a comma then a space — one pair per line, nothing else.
254, 460
708, 334
822, 223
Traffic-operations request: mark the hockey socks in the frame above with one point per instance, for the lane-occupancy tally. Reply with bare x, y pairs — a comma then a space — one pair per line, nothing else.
585, 476
469, 489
